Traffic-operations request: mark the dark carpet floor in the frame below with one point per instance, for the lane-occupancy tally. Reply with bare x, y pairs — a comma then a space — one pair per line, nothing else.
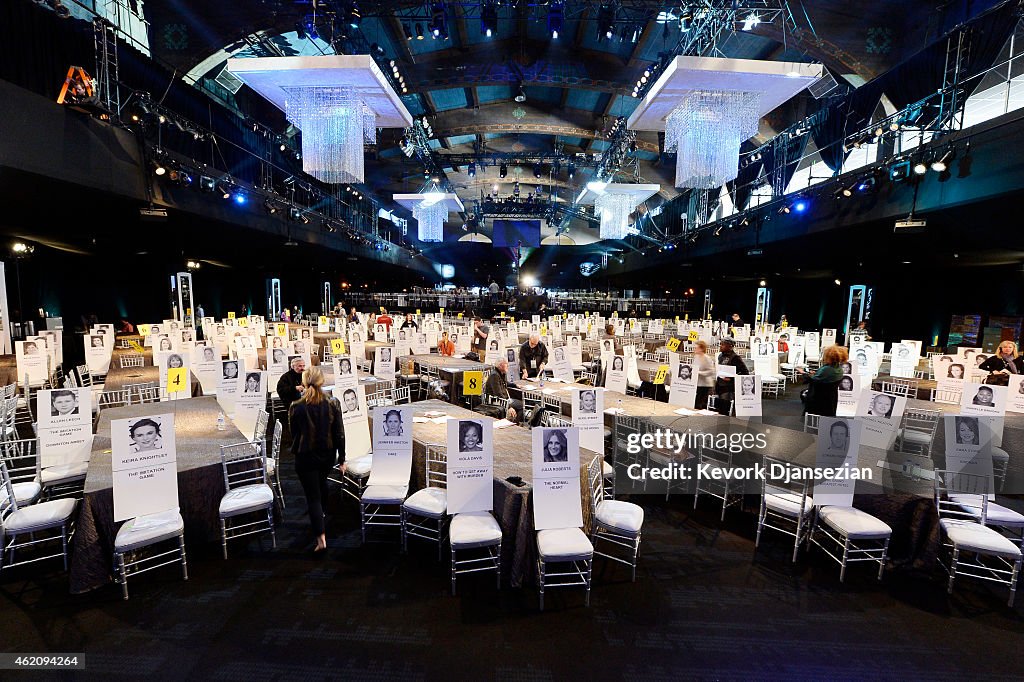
705, 606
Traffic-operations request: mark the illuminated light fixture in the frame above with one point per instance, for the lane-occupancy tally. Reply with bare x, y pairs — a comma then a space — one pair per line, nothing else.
471, 170
538, 170
800, 205
438, 21
521, 95
21, 247
685, 20
706, 130
430, 210
239, 198
920, 168
838, 282
762, 283
751, 21
556, 15
941, 165
605, 22
529, 281
502, 170
489, 18
270, 206
407, 31
158, 168
419, 31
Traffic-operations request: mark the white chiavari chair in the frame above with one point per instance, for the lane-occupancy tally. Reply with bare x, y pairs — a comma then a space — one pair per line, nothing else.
40, 522
424, 513
245, 479
786, 507
613, 521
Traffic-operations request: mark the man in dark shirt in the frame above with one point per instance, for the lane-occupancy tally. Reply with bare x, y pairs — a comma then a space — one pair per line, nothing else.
725, 386
533, 355
497, 386
289, 386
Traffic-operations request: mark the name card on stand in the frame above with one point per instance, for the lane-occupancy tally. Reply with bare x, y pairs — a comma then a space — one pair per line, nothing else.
588, 417
882, 414
615, 377
556, 478
470, 465
346, 372
561, 366
575, 347
904, 361
384, 363
354, 419
1015, 394
392, 445
144, 464
227, 388
989, 401
380, 333
420, 343
513, 364
684, 383
838, 445
249, 401
31, 360
171, 361
64, 425
748, 396
969, 447
98, 349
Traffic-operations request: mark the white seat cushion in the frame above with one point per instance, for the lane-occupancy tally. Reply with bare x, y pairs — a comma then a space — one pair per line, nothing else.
911, 436
40, 516
997, 514
148, 529
1000, 455
974, 537
25, 493
385, 494
360, 466
607, 470
564, 544
474, 529
428, 502
245, 499
271, 466
787, 503
64, 472
853, 523
618, 515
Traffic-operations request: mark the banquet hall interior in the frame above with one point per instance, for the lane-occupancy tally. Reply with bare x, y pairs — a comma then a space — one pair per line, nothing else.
653, 339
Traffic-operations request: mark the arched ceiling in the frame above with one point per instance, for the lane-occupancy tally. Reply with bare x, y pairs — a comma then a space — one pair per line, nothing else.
466, 83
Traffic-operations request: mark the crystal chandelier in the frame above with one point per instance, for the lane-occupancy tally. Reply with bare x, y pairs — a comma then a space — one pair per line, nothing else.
614, 210
430, 214
706, 131
335, 125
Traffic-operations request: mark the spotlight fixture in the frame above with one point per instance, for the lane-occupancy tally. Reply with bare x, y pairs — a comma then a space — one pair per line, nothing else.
867, 183
224, 189
762, 283
270, 206
489, 18
685, 20
605, 22
471, 170
419, 31
502, 170
521, 95
239, 198
941, 165
556, 14
408, 31
207, 184
538, 170
571, 170
784, 209
920, 168
899, 171
438, 21
158, 168
751, 21
800, 205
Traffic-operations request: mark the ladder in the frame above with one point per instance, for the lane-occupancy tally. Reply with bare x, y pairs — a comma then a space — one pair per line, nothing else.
104, 35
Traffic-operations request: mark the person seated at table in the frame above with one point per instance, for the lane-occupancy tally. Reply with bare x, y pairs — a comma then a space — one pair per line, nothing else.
497, 386
318, 441
289, 386
353, 316
725, 386
822, 396
409, 323
533, 356
445, 346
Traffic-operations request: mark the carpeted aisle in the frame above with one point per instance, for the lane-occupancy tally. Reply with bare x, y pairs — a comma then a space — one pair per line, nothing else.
704, 606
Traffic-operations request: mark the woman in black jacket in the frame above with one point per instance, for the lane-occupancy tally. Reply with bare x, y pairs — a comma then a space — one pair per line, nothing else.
1005, 361
318, 440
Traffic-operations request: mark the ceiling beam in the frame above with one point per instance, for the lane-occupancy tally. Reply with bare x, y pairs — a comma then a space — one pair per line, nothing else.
641, 43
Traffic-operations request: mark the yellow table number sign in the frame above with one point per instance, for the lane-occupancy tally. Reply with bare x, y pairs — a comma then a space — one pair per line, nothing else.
659, 378
231, 315
473, 383
337, 346
694, 335
673, 344
177, 379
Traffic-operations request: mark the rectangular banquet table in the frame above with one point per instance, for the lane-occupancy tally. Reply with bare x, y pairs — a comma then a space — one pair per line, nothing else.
200, 484
512, 503
449, 368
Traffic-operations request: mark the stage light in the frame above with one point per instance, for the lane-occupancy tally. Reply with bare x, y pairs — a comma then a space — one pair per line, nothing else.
271, 208
239, 198
529, 280
419, 31
20, 247
502, 170
605, 22
920, 168
158, 168
471, 169
438, 21
751, 21
685, 20
207, 184
762, 283
224, 189
800, 206
940, 166
537, 170
407, 31
899, 171
489, 18
784, 209
521, 95
571, 170
838, 282
555, 17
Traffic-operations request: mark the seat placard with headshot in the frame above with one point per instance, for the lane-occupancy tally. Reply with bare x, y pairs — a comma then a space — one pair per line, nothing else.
144, 465
986, 400
588, 417
346, 372
880, 415
250, 399
748, 395
392, 445
228, 385
64, 425
470, 465
556, 478
838, 444
969, 443
684, 382
355, 420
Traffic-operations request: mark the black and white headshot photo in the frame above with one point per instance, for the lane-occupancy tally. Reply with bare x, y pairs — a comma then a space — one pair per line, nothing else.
608, 345
230, 369
985, 396
881, 405
685, 372
145, 434
471, 436
208, 354
278, 356
559, 354
747, 386
588, 402
96, 341
298, 347
846, 368
838, 438
385, 355
350, 401
252, 382
63, 403
617, 363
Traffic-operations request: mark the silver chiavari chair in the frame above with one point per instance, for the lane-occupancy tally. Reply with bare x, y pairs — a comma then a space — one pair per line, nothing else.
424, 513
244, 468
